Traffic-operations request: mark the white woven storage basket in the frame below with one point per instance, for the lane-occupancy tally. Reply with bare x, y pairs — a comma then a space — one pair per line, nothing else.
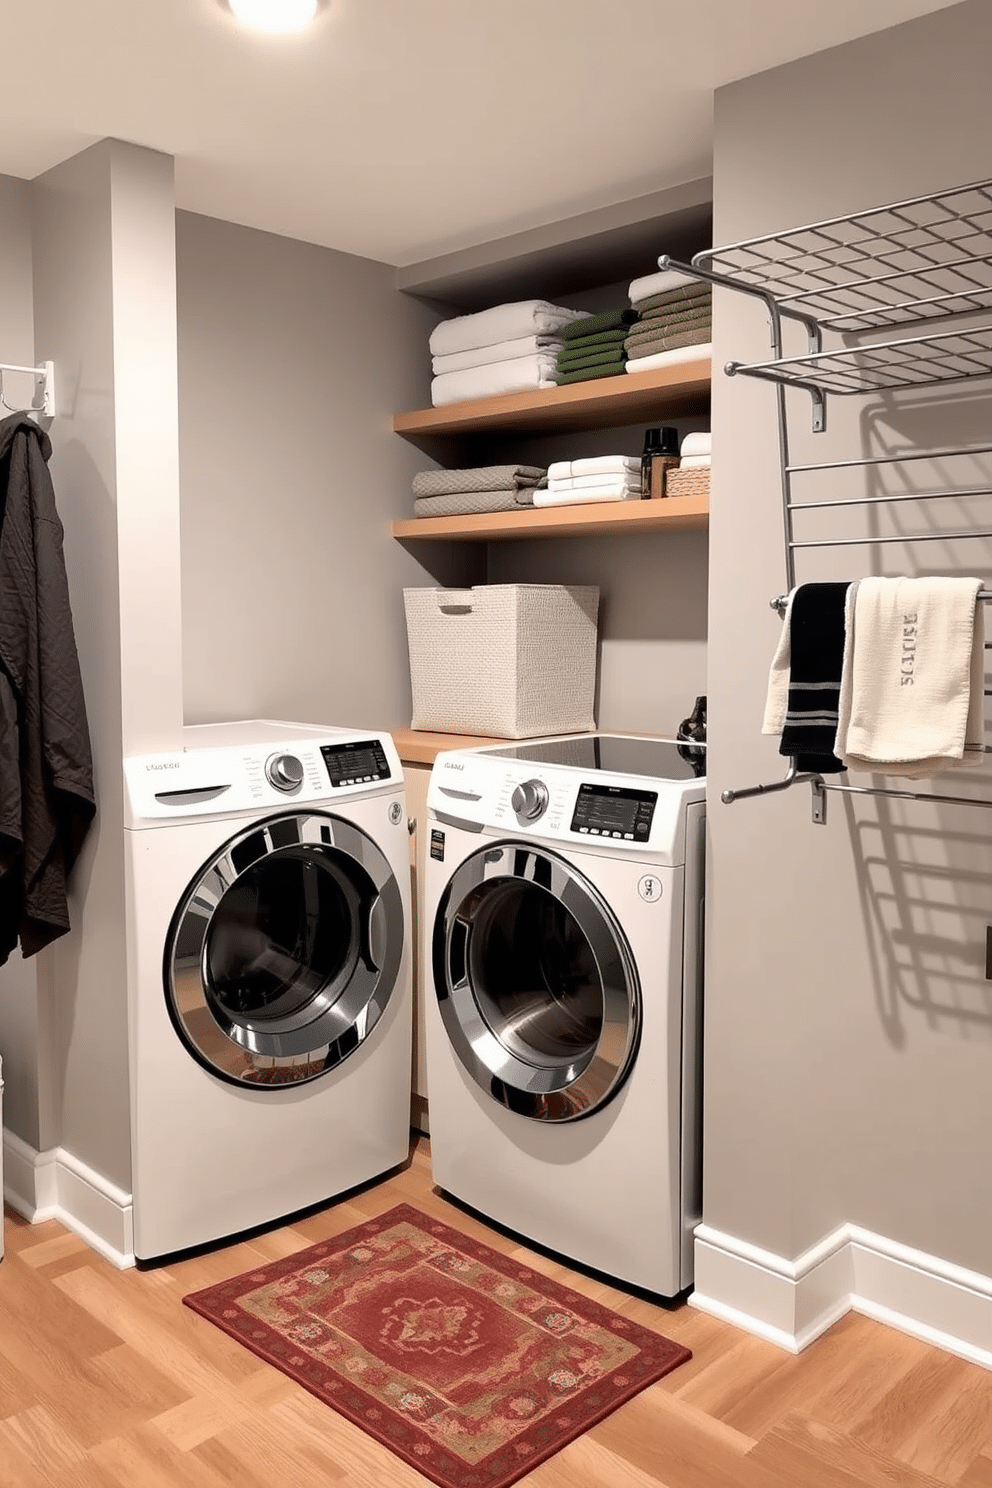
509, 660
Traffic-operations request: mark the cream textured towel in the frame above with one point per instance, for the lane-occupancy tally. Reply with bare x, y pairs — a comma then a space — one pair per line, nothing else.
777, 701
652, 284
670, 358
912, 689
696, 444
695, 462
501, 323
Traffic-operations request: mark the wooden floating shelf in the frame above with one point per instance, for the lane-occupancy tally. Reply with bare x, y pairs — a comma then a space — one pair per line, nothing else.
603, 402
670, 514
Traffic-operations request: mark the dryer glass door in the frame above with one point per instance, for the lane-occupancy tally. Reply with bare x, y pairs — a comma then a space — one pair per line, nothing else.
284, 950
535, 983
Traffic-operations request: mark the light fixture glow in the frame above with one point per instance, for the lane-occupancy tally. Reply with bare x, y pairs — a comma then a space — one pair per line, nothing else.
275, 15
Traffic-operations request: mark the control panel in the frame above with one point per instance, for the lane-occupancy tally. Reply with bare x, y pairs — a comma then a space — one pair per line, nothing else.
356, 762
613, 811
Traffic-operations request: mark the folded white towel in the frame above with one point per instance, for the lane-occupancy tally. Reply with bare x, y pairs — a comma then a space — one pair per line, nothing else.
912, 687
595, 465
617, 492
501, 323
581, 482
695, 462
696, 444
660, 283
502, 351
515, 376
670, 358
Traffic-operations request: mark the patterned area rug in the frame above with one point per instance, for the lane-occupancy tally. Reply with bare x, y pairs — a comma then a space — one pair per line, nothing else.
469, 1366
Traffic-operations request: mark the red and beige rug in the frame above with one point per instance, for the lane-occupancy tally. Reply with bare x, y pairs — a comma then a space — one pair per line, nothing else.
467, 1365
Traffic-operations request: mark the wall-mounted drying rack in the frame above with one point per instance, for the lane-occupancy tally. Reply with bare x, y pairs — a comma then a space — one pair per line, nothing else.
924, 259
43, 400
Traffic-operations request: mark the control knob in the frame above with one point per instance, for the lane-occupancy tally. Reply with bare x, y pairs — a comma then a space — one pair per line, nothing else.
284, 771
530, 799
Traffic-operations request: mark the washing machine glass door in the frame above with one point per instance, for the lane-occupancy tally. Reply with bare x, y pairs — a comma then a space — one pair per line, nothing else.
284, 950
535, 982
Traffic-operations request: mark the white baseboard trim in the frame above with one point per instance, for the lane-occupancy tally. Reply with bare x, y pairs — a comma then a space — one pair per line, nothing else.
790, 1303
56, 1185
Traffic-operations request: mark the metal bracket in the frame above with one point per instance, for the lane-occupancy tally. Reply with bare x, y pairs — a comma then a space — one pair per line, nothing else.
819, 418
43, 401
818, 802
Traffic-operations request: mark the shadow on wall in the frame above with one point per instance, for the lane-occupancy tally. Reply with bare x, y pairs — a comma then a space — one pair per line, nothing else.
924, 872
925, 882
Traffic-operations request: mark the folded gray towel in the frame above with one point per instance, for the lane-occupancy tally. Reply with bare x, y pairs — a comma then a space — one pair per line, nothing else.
685, 295
647, 345
672, 318
464, 503
482, 478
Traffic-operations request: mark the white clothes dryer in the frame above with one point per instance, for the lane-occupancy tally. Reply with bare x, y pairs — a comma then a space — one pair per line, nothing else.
562, 934
269, 979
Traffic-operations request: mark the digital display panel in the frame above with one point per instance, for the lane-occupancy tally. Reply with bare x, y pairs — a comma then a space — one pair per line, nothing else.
612, 811
356, 762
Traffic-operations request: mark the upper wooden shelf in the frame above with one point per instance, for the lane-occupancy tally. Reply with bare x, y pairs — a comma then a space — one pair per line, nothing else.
668, 514
633, 398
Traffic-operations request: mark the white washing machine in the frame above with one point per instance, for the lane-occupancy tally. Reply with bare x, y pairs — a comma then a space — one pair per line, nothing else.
269, 975
562, 938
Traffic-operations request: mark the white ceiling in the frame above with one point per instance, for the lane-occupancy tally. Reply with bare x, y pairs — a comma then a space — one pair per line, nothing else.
401, 129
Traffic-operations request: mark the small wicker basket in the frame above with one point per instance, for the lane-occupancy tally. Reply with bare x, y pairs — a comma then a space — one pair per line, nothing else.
692, 482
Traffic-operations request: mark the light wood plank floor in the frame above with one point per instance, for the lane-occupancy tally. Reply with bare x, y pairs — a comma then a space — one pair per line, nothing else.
107, 1381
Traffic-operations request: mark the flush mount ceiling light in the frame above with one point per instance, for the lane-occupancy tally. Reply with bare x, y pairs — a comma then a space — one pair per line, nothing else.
275, 15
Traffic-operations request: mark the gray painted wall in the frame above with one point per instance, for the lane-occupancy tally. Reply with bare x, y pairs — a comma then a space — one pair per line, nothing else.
292, 361
848, 1022
18, 1008
104, 282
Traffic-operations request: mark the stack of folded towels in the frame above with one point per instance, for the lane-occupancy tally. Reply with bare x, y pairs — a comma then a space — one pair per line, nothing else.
695, 452
485, 488
507, 349
599, 478
594, 347
675, 321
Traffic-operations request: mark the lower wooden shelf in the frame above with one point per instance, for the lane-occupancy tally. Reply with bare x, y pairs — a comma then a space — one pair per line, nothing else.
417, 747
671, 513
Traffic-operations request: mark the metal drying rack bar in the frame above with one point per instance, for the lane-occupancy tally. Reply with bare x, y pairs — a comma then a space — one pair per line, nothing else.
925, 258
43, 401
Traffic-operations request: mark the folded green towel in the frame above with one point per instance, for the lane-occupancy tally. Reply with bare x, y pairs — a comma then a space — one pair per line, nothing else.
585, 374
687, 293
605, 357
568, 360
604, 340
606, 321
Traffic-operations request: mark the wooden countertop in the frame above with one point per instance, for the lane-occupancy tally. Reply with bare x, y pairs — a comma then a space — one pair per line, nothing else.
418, 748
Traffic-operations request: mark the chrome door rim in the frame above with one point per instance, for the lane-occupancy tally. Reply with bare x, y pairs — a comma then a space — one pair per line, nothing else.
566, 1091
319, 1036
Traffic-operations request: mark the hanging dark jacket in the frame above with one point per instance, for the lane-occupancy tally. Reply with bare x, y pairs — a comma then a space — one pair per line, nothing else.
46, 771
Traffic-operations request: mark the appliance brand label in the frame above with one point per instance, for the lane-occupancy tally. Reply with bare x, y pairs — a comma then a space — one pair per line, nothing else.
437, 844
168, 765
